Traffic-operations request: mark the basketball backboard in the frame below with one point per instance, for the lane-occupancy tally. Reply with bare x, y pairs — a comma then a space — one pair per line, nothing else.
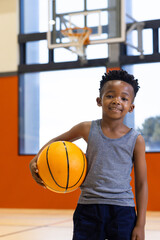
104, 23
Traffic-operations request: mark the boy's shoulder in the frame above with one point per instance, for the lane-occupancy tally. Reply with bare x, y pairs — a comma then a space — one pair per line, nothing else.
84, 128
84, 125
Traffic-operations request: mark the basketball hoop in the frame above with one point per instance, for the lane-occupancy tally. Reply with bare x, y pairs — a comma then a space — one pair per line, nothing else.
78, 37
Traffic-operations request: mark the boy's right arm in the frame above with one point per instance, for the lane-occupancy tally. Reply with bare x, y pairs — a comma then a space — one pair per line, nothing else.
81, 130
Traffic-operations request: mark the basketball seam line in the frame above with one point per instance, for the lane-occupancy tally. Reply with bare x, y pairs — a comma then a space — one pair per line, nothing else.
67, 165
50, 170
82, 171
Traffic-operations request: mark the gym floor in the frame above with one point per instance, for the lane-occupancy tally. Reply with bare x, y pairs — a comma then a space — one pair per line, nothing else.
26, 224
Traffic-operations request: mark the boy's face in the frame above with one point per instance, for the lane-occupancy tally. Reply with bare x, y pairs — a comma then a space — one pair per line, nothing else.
116, 99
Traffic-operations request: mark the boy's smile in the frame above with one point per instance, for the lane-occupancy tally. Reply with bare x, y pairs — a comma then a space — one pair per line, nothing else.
116, 99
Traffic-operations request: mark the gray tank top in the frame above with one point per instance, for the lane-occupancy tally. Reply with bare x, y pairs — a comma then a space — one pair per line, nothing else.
110, 163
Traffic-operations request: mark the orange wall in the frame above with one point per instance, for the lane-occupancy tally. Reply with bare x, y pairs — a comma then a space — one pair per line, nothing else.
18, 189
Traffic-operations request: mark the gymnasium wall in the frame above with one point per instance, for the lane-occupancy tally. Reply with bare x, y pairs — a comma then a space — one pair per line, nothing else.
8, 32
18, 189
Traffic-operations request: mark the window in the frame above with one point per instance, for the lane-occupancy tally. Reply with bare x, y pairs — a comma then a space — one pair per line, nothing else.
147, 111
52, 102
145, 10
33, 16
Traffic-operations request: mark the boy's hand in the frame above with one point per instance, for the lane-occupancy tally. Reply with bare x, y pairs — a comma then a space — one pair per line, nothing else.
138, 233
34, 171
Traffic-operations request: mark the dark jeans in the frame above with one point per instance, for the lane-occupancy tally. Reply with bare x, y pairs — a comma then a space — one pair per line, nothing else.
102, 221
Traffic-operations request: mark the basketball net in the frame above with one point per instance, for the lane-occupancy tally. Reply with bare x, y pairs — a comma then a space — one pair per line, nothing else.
79, 37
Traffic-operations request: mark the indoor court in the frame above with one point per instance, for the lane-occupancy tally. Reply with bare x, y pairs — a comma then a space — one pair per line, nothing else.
53, 224
53, 54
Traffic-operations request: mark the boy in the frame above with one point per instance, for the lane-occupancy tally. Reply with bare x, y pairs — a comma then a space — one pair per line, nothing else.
106, 207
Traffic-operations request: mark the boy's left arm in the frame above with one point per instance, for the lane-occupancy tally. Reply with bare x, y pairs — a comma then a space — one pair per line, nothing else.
141, 188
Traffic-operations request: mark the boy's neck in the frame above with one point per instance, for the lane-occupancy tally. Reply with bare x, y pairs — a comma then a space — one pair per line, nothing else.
114, 129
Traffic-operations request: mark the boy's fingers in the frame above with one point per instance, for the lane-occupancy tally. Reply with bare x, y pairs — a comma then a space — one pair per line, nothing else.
38, 179
35, 174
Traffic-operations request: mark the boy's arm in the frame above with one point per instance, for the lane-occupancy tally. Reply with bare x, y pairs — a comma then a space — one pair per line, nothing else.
141, 188
81, 130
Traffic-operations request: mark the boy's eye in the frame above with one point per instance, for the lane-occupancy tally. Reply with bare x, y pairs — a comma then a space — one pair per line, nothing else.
109, 96
124, 99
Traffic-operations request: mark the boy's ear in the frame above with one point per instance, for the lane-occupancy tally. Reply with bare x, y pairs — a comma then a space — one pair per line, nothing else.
99, 101
131, 108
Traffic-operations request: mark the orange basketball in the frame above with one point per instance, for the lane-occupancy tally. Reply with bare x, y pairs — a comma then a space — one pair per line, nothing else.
62, 166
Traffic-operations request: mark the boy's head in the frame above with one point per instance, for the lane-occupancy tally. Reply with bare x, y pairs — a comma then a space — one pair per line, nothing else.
119, 75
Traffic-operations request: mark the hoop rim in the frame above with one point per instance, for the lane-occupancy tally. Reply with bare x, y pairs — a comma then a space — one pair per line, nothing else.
66, 32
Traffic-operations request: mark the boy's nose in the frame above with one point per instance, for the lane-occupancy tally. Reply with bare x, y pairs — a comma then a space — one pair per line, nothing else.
115, 101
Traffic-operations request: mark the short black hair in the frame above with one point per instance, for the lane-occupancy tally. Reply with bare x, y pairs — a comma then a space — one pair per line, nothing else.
119, 75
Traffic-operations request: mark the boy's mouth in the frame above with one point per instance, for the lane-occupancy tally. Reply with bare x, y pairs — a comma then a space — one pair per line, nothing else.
115, 109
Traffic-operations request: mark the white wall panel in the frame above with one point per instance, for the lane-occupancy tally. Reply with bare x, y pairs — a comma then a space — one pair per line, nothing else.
8, 35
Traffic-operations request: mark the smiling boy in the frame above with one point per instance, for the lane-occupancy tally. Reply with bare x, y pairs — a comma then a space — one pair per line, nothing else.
106, 208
